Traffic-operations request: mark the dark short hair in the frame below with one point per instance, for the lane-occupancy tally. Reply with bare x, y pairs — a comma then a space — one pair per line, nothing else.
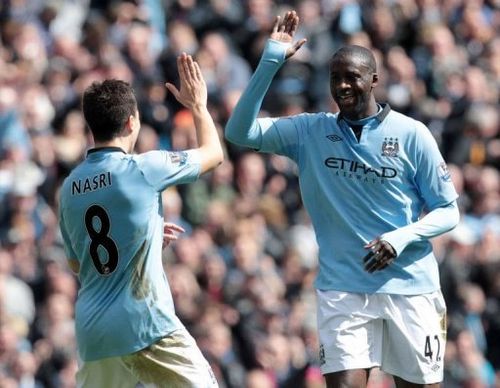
107, 106
360, 52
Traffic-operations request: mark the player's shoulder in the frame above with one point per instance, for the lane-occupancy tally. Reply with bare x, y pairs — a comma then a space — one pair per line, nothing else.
313, 118
74, 174
405, 124
399, 117
412, 132
318, 115
65, 191
166, 158
150, 157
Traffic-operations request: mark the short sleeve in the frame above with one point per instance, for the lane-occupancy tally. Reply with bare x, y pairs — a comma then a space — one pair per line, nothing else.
162, 169
68, 249
432, 176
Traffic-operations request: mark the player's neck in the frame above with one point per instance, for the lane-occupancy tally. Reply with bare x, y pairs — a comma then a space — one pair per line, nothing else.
364, 118
117, 142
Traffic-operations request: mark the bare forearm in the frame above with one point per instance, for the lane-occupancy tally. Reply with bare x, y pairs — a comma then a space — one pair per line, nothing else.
208, 139
193, 95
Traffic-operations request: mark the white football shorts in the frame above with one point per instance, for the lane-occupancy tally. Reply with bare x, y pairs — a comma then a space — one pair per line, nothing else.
404, 335
175, 361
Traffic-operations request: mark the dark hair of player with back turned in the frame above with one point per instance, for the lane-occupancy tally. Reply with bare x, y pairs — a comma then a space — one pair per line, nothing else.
107, 106
353, 51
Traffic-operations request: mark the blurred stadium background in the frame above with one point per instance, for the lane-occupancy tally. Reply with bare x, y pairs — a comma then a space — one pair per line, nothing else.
242, 274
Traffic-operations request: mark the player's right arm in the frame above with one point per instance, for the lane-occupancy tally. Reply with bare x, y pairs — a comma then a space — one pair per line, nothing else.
193, 95
242, 127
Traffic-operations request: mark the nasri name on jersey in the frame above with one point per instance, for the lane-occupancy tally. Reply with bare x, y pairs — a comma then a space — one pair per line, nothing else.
96, 182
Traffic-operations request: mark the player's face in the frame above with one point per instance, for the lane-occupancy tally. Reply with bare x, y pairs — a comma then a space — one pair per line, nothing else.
351, 85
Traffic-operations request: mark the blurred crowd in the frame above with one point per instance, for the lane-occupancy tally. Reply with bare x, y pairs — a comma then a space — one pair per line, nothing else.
242, 274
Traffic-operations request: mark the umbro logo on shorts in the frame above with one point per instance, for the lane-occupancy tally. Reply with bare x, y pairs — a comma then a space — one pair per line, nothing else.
334, 138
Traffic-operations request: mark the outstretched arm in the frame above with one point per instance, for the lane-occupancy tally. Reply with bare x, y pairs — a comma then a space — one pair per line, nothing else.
193, 95
242, 127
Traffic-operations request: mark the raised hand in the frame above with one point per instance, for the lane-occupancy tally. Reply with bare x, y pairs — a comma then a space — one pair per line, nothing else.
284, 31
193, 89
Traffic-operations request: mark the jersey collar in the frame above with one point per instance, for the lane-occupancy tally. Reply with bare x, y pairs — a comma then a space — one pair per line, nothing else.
105, 149
379, 117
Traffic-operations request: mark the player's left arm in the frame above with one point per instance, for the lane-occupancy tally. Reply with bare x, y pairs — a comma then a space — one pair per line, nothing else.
243, 128
387, 247
436, 188
193, 95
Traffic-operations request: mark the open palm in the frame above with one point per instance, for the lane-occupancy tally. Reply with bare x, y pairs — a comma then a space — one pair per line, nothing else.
193, 89
284, 31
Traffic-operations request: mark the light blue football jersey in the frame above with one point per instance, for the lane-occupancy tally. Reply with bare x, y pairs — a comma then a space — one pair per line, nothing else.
355, 191
111, 222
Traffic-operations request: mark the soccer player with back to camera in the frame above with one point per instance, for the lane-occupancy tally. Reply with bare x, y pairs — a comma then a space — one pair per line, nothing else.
112, 225
366, 174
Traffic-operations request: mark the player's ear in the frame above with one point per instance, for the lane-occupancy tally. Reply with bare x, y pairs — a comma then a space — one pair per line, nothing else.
374, 79
131, 123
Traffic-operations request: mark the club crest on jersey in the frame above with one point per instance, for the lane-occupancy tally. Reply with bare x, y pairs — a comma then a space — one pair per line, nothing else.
178, 157
390, 147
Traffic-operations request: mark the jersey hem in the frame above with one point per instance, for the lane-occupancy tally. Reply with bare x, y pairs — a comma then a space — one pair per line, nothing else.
134, 349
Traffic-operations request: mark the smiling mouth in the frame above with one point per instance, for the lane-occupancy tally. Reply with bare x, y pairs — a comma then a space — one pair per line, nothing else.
347, 100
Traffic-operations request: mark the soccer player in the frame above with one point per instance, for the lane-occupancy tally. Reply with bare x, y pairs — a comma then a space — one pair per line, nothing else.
112, 225
367, 175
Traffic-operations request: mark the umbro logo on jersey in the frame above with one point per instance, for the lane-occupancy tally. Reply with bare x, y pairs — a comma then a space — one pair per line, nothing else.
334, 138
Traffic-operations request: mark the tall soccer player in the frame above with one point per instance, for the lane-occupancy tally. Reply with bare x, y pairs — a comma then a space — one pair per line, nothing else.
112, 225
367, 175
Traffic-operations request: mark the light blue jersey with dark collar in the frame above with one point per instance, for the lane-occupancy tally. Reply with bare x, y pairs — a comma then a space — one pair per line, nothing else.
354, 190
112, 223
